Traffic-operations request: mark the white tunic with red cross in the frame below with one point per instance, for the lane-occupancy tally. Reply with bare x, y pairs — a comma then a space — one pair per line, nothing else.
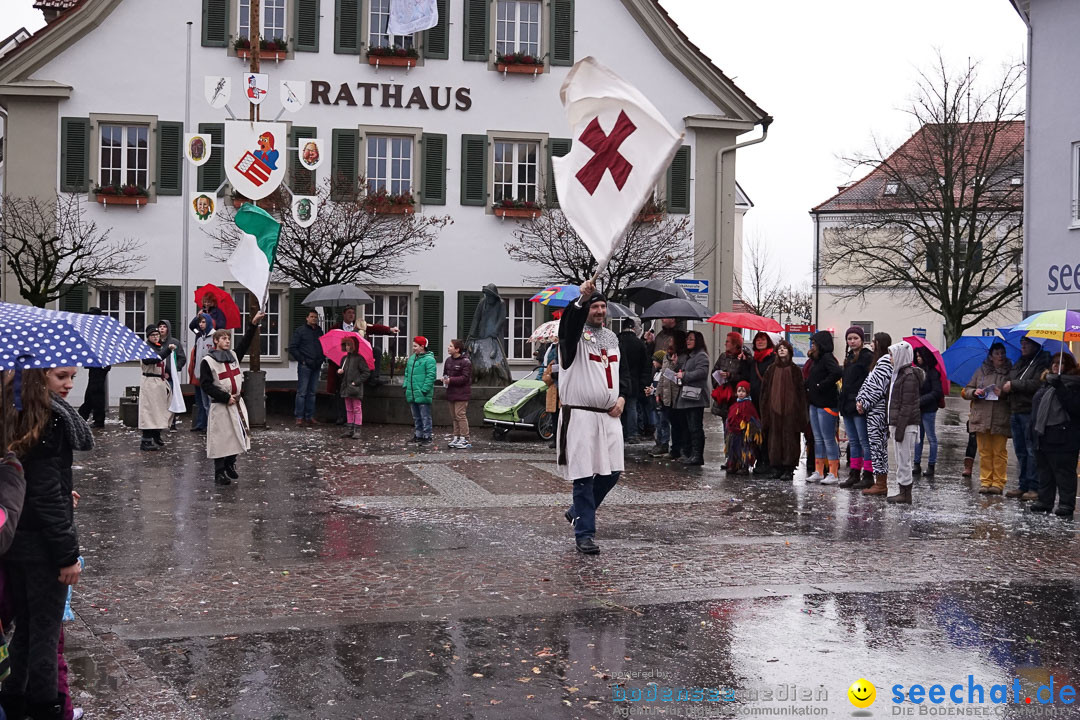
594, 440
227, 431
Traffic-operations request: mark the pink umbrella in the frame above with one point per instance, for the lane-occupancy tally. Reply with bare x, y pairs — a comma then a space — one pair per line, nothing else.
331, 346
921, 342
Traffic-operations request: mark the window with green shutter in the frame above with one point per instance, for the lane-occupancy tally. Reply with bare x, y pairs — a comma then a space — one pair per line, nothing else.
431, 320
74, 298
74, 154
437, 39
170, 158
678, 182
562, 32
167, 306
215, 23
557, 147
467, 302
476, 30
433, 169
212, 172
307, 25
297, 309
301, 180
474, 169
348, 29
345, 164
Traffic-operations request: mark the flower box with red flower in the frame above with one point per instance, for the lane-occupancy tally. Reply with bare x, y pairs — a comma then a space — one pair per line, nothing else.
121, 195
392, 57
277, 49
521, 209
519, 63
651, 212
383, 203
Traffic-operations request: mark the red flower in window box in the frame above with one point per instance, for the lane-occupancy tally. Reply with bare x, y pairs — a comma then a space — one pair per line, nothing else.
272, 49
651, 212
392, 57
517, 209
383, 203
519, 63
121, 194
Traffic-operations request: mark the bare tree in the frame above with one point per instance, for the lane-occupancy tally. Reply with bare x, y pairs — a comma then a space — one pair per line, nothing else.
796, 303
549, 244
349, 242
50, 247
940, 217
758, 287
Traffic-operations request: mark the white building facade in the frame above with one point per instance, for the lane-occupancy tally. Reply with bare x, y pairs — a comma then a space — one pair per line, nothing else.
98, 96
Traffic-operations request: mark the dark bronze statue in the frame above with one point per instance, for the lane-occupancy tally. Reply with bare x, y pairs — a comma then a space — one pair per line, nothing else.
485, 341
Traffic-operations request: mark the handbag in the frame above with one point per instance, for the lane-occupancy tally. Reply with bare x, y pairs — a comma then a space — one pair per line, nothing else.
690, 392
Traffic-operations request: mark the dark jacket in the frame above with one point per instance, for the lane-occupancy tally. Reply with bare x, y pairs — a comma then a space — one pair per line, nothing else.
758, 368
633, 354
181, 354
1064, 437
46, 530
695, 367
355, 375
12, 494
1026, 379
304, 346
215, 313
856, 368
458, 372
821, 385
904, 400
931, 392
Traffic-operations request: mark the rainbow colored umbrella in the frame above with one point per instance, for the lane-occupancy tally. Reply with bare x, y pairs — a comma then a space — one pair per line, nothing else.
557, 295
1063, 325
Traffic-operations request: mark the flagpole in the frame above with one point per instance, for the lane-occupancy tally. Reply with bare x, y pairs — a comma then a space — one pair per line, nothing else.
185, 247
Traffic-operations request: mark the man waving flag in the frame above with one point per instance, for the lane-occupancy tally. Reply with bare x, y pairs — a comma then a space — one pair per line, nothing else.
253, 258
621, 145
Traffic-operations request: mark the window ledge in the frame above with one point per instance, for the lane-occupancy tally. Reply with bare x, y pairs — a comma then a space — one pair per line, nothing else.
518, 213
378, 61
1075, 225
137, 200
275, 55
520, 69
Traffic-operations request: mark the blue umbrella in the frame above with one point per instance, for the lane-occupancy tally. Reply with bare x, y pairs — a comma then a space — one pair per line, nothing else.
964, 356
32, 337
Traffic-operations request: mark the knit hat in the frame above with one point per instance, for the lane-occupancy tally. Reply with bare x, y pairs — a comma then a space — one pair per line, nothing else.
420, 340
856, 330
744, 385
659, 356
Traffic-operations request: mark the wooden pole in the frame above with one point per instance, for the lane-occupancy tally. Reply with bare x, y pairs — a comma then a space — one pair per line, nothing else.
254, 303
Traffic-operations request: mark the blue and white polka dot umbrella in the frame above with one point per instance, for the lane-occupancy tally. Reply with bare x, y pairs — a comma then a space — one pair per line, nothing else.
32, 337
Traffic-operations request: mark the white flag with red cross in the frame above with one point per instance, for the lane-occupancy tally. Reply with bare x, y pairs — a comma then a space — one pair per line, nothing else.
621, 146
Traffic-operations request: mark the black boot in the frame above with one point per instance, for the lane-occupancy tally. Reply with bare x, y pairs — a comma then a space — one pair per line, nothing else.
221, 478
867, 481
230, 470
929, 470
351, 432
148, 444
52, 710
14, 706
917, 470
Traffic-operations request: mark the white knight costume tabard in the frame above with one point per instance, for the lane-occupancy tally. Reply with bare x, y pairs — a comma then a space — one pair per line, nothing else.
227, 432
592, 377
154, 411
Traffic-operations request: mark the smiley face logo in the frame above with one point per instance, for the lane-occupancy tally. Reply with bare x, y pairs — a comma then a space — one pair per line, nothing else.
862, 693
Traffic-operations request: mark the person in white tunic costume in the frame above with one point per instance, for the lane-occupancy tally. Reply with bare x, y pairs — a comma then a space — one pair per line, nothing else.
593, 387
154, 414
228, 433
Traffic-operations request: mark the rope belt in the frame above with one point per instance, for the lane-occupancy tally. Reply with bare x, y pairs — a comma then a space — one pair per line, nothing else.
564, 423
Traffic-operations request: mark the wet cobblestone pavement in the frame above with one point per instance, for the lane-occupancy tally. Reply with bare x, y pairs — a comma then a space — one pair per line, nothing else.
375, 580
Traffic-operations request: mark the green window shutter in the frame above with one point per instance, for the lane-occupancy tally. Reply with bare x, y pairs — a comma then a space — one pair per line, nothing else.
476, 30
74, 154
212, 172
557, 147
437, 39
345, 164
301, 180
433, 169
678, 182
474, 169
431, 320
562, 32
347, 26
297, 309
215, 23
467, 302
75, 298
170, 158
306, 23
167, 306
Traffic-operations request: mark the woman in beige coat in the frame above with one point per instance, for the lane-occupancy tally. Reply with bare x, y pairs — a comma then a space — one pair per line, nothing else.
990, 419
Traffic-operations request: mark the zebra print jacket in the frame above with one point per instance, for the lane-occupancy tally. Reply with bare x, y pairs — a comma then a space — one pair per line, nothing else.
875, 391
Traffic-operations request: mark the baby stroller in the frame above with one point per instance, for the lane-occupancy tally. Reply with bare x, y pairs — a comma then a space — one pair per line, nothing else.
521, 405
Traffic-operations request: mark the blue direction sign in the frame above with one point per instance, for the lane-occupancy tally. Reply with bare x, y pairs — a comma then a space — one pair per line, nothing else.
693, 286
919, 332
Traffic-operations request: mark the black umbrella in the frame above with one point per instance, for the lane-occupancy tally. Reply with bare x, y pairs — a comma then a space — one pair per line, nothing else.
648, 292
617, 311
677, 308
337, 296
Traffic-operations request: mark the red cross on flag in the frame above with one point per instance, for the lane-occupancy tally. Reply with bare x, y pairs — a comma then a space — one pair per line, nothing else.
621, 145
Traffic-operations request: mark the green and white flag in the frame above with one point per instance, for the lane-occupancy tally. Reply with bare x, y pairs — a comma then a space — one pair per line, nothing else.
253, 258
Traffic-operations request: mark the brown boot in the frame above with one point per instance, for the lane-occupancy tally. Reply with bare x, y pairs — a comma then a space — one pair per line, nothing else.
881, 486
969, 465
867, 481
901, 498
853, 477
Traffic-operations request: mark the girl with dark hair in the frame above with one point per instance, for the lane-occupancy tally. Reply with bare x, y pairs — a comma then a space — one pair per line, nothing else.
693, 396
872, 401
1055, 421
763, 358
44, 556
680, 442
784, 411
457, 377
930, 396
354, 372
856, 368
990, 419
824, 408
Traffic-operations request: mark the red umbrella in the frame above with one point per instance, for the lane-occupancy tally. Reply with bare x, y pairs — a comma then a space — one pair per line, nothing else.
747, 321
225, 303
921, 342
331, 347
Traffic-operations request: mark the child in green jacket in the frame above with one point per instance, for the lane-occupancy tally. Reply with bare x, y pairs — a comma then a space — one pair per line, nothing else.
420, 388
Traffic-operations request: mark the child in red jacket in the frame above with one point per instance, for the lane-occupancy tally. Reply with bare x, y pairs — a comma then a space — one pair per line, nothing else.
742, 433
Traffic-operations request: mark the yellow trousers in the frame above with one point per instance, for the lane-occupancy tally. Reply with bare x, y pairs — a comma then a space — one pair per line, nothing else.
993, 459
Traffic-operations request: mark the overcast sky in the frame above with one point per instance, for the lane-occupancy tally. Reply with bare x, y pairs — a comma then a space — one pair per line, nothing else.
833, 73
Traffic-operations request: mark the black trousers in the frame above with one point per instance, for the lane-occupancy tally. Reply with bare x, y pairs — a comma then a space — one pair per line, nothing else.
972, 446
95, 402
223, 462
1057, 476
37, 598
695, 431
680, 433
